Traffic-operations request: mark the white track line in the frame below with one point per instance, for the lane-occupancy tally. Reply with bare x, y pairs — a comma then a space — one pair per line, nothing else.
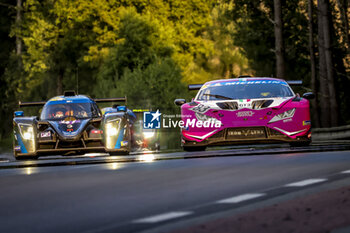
345, 172
163, 217
240, 198
305, 182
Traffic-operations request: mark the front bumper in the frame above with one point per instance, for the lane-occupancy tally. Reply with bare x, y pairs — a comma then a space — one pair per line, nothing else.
246, 135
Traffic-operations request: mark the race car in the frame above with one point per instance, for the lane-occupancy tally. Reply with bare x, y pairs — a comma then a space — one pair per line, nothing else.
72, 124
245, 110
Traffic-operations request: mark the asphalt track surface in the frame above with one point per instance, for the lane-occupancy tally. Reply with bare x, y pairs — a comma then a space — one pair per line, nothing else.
158, 192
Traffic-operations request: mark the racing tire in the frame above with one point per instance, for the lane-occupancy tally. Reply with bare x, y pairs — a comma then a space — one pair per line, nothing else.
194, 148
299, 144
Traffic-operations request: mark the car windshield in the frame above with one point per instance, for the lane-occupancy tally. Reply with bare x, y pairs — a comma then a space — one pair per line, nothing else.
77, 110
244, 90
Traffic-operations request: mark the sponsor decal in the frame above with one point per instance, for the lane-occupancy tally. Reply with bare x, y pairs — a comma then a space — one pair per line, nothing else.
140, 110
57, 99
245, 114
151, 120
69, 126
246, 132
245, 105
287, 120
69, 122
306, 122
124, 143
17, 148
45, 134
246, 81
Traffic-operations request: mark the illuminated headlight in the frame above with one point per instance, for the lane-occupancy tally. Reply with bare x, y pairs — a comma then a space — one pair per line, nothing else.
27, 131
111, 129
205, 118
148, 134
283, 116
202, 117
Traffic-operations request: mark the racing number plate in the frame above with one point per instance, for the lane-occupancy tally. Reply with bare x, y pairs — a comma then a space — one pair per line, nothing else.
241, 133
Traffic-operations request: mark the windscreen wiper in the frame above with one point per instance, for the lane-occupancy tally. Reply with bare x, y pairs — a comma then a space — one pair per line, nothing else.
220, 96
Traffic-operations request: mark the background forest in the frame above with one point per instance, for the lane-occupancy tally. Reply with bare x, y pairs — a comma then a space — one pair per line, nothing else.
150, 50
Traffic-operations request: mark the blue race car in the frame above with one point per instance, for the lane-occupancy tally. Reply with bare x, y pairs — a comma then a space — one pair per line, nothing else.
72, 124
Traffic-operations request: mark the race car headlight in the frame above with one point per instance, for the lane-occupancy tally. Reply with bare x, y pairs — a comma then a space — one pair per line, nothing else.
28, 135
283, 116
202, 117
205, 118
148, 134
111, 129
27, 131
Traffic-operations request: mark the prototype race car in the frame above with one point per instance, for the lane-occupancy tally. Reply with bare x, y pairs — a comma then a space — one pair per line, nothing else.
72, 124
245, 110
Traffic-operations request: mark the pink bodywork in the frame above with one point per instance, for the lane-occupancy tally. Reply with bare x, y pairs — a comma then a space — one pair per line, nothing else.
298, 125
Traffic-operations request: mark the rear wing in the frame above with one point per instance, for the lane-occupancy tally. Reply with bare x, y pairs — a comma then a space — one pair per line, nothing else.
31, 104
108, 100
295, 82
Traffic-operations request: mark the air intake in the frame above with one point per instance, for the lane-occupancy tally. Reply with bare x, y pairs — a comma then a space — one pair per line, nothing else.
69, 93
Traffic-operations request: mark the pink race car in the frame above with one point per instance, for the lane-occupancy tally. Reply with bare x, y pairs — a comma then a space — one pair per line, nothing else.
245, 110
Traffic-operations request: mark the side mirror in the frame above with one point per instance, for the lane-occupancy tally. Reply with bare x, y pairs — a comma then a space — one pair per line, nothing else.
121, 108
18, 114
309, 95
179, 102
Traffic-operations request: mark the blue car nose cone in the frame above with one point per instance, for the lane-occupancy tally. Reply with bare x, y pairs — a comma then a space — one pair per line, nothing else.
69, 129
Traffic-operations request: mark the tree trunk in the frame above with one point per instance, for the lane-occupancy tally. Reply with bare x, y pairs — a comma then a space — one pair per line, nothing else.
325, 14
279, 48
18, 39
314, 102
324, 96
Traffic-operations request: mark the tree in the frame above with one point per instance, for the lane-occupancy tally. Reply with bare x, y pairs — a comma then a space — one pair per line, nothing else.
7, 58
326, 66
279, 51
314, 85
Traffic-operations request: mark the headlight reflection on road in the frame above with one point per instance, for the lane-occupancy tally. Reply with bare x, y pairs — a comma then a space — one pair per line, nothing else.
29, 170
148, 158
114, 166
